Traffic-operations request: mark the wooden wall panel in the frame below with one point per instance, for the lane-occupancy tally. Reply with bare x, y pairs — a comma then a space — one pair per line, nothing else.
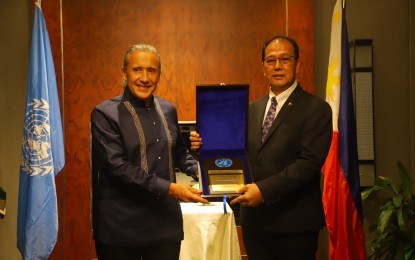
301, 28
201, 42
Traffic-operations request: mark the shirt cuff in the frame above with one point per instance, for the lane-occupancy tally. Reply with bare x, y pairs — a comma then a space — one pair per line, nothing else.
162, 187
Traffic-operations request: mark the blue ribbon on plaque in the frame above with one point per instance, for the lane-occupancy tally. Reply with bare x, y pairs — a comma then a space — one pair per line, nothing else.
221, 117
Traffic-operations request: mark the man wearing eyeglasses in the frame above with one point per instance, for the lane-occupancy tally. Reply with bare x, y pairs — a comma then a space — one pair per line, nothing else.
289, 136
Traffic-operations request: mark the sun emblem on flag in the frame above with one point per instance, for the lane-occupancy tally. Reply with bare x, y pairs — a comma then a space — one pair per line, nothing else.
37, 150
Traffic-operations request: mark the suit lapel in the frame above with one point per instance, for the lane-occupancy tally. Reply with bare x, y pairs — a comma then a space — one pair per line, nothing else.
285, 111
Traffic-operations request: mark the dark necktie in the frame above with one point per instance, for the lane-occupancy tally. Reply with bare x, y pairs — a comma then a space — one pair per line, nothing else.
269, 118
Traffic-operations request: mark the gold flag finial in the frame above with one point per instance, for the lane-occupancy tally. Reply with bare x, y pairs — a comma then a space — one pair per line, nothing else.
38, 3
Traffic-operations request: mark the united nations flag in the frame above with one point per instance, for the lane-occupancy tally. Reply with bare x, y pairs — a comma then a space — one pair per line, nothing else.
42, 150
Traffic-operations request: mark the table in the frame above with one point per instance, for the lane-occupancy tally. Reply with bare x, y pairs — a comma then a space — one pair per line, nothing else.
209, 234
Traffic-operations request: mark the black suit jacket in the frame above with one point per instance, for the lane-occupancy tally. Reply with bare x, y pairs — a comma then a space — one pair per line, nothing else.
287, 166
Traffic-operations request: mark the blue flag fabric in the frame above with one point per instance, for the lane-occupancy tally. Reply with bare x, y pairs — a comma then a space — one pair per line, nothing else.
347, 125
42, 150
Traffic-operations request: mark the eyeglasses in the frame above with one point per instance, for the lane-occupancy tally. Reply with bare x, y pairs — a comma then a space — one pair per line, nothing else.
284, 60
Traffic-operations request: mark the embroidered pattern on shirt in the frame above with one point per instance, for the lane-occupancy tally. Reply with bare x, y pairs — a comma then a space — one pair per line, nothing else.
169, 138
137, 123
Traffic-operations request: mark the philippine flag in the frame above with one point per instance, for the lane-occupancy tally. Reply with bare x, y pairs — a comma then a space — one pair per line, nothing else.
341, 194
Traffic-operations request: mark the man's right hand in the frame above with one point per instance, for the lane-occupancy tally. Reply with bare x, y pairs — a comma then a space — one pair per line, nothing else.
195, 140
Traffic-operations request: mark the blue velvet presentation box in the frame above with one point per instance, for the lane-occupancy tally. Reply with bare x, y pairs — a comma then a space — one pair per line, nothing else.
222, 116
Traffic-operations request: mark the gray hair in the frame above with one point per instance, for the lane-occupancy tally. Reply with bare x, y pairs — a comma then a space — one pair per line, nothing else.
143, 48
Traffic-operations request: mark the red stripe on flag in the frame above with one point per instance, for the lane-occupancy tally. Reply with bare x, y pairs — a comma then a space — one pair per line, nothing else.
343, 221
330, 170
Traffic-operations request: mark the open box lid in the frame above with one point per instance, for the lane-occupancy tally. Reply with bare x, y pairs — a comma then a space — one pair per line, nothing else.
221, 116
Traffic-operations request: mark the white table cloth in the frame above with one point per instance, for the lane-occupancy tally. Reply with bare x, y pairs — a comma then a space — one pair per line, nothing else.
209, 234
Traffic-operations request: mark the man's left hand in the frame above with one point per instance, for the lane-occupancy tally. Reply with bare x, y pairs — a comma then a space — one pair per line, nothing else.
186, 193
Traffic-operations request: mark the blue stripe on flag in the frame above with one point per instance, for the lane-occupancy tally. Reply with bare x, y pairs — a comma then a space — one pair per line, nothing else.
347, 125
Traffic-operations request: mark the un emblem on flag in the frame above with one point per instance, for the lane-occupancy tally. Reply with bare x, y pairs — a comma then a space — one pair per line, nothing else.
36, 151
